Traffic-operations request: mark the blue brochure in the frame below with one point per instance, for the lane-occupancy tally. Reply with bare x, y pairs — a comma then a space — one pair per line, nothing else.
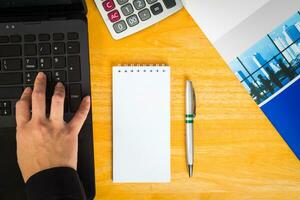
269, 70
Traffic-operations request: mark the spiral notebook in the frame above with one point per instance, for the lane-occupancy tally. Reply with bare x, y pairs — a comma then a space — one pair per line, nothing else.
141, 124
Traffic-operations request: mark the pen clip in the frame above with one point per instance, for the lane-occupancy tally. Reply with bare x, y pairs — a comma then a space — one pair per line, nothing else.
194, 102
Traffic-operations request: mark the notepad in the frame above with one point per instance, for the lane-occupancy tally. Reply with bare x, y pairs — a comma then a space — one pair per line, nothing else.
141, 124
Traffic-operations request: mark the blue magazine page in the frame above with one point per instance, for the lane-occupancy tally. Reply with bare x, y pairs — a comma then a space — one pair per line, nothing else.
269, 70
260, 41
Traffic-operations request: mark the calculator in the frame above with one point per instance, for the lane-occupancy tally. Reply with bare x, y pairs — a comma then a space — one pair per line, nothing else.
125, 17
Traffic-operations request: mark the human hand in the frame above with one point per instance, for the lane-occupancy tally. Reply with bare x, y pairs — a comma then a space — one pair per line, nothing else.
42, 142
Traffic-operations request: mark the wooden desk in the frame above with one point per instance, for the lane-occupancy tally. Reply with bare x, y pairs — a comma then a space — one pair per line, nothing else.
238, 154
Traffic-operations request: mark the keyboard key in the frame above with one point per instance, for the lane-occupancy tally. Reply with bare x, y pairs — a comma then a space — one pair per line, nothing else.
11, 64
10, 50
121, 2
29, 38
169, 3
59, 48
4, 39
30, 63
30, 50
120, 26
59, 76
44, 37
145, 14
127, 9
75, 95
45, 63
132, 20
15, 38
156, 9
114, 16
74, 68
5, 112
58, 36
139, 4
48, 75
73, 47
4, 104
151, 1
29, 77
10, 92
44, 49
73, 36
5, 108
50, 85
10, 79
59, 62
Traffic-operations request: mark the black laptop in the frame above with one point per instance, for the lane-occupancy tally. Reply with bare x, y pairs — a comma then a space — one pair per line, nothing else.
48, 36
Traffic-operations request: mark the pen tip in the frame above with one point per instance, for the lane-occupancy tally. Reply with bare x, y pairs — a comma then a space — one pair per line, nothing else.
190, 170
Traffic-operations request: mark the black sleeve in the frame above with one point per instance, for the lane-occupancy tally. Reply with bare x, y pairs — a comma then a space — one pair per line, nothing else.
61, 183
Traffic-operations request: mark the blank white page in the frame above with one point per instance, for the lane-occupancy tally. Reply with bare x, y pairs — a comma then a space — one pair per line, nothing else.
141, 124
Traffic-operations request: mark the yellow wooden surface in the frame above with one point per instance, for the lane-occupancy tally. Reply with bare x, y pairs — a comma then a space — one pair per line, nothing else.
238, 154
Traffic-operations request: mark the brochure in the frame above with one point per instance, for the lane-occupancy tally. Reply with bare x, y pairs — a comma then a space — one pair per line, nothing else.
260, 41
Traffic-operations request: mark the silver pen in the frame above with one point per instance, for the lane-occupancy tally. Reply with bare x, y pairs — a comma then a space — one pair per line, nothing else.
190, 114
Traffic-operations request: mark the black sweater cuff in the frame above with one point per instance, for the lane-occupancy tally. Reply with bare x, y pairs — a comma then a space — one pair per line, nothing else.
56, 183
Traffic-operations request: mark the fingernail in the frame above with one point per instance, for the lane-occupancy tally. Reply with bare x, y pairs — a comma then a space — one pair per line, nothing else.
87, 99
27, 90
40, 75
59, 85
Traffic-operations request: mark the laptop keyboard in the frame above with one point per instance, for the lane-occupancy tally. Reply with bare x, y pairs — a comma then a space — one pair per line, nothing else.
23, 56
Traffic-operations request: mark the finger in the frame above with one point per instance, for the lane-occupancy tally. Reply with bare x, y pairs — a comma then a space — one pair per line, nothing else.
39, 97
23, 107
57, 104
81, 115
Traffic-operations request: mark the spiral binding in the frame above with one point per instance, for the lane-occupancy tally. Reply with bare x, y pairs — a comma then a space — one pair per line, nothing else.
142, 68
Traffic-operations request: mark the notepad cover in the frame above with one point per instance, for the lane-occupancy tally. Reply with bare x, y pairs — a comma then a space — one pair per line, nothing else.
141, 124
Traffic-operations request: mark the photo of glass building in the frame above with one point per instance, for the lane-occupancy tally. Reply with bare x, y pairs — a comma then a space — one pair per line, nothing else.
272, 62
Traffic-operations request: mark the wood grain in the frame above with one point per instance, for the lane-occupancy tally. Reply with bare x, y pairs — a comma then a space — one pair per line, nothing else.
238, 154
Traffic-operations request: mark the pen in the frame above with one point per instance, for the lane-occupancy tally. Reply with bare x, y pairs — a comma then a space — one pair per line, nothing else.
190, 114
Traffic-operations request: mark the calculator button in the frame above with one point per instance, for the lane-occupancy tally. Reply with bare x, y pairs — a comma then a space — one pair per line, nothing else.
151, 1
132, 20
114, 16
121, 2
145, 14
127, 9
169, 3
108, 5
120, 26
139, 4
156, 9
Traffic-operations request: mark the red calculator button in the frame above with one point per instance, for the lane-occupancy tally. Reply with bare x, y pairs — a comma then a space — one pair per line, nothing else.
114, 16
108, 5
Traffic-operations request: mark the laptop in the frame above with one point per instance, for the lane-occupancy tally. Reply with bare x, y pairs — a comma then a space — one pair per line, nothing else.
49, 36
